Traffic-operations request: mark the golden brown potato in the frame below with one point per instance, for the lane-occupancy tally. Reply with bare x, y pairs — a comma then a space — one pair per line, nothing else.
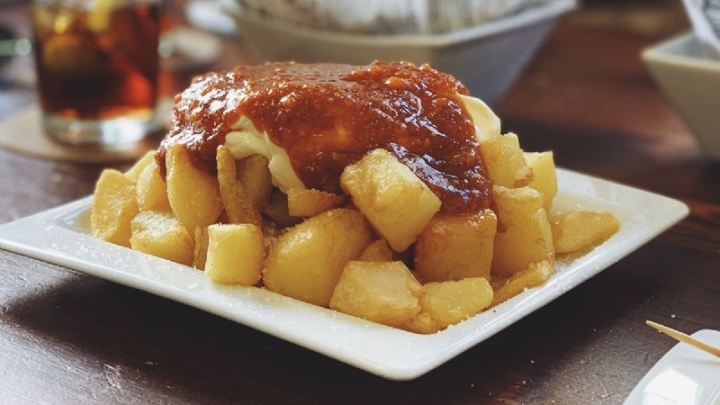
450, 302
453, 247
306, 261
422, 323
235, 254
202, 239
534, 275
524, 234
161, 234
239, 207
254, 175
152, 190
309, 202
581, 230
544, 178
133, 173
193, 194
382, 292
378, 251
505, 161
395, 201
113, 207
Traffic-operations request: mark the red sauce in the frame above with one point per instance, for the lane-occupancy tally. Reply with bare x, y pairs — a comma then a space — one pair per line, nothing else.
328, 116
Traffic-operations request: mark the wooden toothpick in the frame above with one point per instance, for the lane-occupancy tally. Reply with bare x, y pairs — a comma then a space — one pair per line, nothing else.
684, 338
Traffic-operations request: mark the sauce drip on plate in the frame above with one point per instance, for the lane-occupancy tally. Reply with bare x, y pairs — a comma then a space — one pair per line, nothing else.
328, 116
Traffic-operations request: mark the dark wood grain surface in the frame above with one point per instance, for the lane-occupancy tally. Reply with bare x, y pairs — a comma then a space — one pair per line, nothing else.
68, 338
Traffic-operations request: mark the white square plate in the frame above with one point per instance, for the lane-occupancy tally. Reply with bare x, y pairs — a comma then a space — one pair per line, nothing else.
61, 236
684, 376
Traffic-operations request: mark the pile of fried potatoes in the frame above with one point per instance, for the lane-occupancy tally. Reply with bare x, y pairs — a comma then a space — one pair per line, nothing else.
382, 251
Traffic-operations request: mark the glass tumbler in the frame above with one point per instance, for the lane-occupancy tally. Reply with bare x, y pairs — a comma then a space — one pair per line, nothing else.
97, 65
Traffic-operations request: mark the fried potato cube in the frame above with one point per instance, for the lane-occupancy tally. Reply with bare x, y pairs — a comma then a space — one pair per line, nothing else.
193, 194
582, 230
395, 201
422, 323
382, 292
152, 190
450, 302
239, 207
163, 235
453, 247
113, 207
306, 261
544, 177
254, 174
534, 275
524, 234
202, 240
235, 253
310, 202
378, 251
505, 162
133, 173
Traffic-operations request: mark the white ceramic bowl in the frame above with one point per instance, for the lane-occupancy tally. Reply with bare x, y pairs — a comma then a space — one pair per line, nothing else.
487, 58
691, 80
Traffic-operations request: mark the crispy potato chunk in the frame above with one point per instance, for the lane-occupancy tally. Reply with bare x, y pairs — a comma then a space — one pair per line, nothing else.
453, 247
202, 240
505, 161
133, 173
544, 178
395, 201
254, 174
577, 231
524, 234
152, 190
378, 251
235, 253
113, 207
309, 202
161, 234
422, 323
382, 292
239, 207
451, 302
305, 262
535, 274
193, 194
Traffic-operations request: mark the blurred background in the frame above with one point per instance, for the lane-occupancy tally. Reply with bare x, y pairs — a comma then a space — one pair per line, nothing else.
559, 76
645, 17
196, 49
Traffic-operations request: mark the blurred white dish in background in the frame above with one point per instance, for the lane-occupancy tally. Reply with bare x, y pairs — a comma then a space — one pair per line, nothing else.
210, 15
691, 80
705, 19
186, 48
385, 16
487, 58
684, 376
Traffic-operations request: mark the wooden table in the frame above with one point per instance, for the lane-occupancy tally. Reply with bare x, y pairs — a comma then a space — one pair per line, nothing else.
67, 338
